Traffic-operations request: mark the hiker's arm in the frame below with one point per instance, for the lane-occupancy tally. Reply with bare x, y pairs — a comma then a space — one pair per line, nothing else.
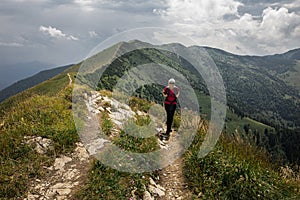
178, 93
164, 93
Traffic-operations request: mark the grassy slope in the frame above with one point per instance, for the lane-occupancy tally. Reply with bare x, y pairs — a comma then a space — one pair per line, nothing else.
44, 110
235, 170
236, 123
292, 77
233, 122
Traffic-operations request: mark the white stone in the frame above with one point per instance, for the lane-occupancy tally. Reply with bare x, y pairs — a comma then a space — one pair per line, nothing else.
152, 182
32, 197
155, 190
81, 152
96, 145
60, 162
147, 196
41, 145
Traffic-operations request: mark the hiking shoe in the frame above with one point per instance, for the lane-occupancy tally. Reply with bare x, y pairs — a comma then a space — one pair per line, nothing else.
166, 137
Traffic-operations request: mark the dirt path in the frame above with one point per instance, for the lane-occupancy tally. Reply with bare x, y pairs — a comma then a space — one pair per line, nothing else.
172, 178
70, 83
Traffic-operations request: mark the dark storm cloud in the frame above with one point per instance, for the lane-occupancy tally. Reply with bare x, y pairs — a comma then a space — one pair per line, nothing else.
92, 21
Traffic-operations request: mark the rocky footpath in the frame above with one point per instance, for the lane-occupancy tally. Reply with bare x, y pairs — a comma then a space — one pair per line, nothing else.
69, 172
63, 178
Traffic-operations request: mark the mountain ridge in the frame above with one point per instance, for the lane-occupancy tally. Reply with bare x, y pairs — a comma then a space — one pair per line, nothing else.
31, 81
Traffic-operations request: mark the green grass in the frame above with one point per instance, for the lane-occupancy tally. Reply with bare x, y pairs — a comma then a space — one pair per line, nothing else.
107, 183
106, 124
292, 78
233, 123
235, 171
44, 116
44, 110
205, 104
50, 87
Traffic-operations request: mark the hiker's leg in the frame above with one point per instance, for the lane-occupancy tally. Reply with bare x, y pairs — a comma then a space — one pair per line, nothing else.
172, 112
169, 117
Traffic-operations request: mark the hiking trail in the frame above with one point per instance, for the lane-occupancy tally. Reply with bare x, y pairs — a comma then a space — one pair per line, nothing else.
69, 171
172, 178
70, 82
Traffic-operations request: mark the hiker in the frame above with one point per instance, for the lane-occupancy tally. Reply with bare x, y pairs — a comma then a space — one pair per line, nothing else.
171, 93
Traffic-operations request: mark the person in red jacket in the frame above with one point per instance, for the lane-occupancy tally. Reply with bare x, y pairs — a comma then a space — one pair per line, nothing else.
171, 93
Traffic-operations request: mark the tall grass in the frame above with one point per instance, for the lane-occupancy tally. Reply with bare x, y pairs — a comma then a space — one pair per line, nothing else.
235, 170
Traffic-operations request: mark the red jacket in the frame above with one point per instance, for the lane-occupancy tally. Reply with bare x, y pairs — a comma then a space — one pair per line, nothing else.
171, 98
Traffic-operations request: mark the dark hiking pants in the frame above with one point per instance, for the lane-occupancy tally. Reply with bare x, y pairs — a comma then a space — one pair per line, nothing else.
170, 110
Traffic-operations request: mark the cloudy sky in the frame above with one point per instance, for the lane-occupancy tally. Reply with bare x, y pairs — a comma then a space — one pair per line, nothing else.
63, 32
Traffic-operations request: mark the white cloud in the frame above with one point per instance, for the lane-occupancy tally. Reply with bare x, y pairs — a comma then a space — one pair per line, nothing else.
93, 34
11, 44
56, 33
197, 11
218, 23
290, 5
89, 5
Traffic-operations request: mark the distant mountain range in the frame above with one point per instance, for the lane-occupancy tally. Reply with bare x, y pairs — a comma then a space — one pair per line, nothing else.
11, 73
264, 87
24, 84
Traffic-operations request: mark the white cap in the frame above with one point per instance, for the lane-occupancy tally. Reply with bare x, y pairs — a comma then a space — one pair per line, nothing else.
172, 80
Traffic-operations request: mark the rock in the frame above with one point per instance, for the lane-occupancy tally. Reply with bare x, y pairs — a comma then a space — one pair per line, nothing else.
152, 182
156, 190
85, 95
70, 174
62, 189
32, 197
108, 109
133, 196
61, 197
101, 109
41, 145
147, 196
161, 188
60, 162
81, 152
96, 145
140, 113
159, 130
